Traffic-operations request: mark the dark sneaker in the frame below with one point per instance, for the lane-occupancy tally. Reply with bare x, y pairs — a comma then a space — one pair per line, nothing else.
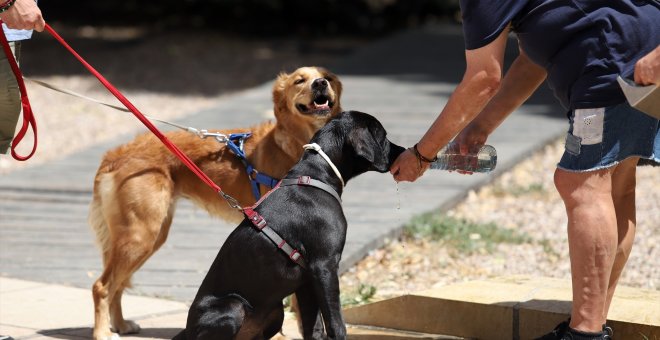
557, 333
6, 337
573, 334
608, 333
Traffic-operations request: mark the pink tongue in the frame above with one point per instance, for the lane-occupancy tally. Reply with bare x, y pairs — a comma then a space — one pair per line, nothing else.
321, 106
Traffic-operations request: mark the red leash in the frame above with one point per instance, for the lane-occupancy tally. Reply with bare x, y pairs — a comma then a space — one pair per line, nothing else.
28, 116
173, 148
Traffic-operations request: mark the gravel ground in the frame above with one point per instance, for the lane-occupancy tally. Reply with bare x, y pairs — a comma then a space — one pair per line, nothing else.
523, 199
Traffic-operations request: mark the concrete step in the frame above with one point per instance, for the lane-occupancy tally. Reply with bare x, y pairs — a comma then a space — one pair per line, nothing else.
506, 308
377, 333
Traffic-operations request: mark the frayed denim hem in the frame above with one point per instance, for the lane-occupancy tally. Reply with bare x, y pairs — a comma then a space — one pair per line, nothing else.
609, 165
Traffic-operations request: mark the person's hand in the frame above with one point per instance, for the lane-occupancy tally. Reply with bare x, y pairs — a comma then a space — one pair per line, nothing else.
407, 167
470, 140
647, 69
24, 15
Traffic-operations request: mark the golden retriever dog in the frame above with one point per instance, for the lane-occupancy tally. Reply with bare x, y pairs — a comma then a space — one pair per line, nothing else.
137, 184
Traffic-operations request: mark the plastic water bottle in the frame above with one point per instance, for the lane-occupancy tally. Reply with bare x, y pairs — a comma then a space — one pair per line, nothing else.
450, 159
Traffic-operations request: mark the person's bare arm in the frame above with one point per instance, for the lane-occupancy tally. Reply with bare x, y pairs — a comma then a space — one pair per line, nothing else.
480, 83
25, 15
520, 82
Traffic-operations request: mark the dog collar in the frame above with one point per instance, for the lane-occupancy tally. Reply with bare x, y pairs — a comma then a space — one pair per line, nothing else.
310, 182
317, 148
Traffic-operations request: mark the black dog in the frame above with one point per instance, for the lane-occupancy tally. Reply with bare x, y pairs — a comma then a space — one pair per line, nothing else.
241, 296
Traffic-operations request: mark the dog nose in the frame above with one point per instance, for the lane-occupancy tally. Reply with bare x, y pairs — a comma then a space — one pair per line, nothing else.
319, 83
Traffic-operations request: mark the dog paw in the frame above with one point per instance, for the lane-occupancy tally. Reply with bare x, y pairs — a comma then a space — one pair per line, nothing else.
112, 336
128, 327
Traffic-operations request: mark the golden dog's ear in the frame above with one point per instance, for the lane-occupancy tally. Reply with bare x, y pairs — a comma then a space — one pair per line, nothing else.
337, 87
279, 97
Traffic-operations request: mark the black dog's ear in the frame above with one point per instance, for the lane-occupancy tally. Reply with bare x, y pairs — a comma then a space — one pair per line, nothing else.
366, 146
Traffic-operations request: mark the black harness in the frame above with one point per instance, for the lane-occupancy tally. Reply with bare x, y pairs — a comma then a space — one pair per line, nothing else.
260, 223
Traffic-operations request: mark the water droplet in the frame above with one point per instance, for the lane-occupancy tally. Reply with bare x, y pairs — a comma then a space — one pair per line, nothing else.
398, 198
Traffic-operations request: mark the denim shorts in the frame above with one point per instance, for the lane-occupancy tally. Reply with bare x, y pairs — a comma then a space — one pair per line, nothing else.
600, 138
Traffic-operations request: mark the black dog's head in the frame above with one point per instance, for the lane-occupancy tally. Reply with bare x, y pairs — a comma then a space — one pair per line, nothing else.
368, 140
361, 141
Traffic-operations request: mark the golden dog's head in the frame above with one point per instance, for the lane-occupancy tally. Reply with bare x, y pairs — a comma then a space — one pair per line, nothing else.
309, 96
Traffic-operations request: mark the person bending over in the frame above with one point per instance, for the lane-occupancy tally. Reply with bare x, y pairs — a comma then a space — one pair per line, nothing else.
580, 47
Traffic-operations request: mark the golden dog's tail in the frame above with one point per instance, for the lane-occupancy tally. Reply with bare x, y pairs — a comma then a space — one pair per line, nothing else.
103, 187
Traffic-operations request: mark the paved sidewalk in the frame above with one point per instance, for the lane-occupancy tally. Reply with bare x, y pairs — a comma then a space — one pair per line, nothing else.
32, 310
404, 80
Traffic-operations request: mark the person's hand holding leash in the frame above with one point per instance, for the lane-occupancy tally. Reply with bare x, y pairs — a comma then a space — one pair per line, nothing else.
22, 14
647, 69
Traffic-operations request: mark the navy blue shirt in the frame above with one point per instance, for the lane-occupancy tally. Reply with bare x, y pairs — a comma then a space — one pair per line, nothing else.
582, 44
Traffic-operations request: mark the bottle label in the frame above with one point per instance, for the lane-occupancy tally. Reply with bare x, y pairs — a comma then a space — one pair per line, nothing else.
483, 159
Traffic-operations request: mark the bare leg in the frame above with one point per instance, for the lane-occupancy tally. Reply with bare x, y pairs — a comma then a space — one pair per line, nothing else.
623, 194
592, 239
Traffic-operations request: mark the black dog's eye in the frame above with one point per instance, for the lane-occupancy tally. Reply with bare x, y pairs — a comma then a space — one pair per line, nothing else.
328, 78
299, 81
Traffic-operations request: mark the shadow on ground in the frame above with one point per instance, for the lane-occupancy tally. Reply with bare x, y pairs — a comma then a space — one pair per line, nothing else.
86, 333
197, 62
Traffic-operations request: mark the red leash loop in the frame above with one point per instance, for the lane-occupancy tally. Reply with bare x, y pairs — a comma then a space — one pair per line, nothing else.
173, 148
28, 116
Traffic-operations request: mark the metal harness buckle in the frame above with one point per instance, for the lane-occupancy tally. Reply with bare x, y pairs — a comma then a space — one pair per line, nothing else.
295, 255
258, 221
231, 201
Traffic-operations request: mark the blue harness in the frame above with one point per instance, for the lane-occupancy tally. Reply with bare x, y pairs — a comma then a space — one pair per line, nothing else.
235, 144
